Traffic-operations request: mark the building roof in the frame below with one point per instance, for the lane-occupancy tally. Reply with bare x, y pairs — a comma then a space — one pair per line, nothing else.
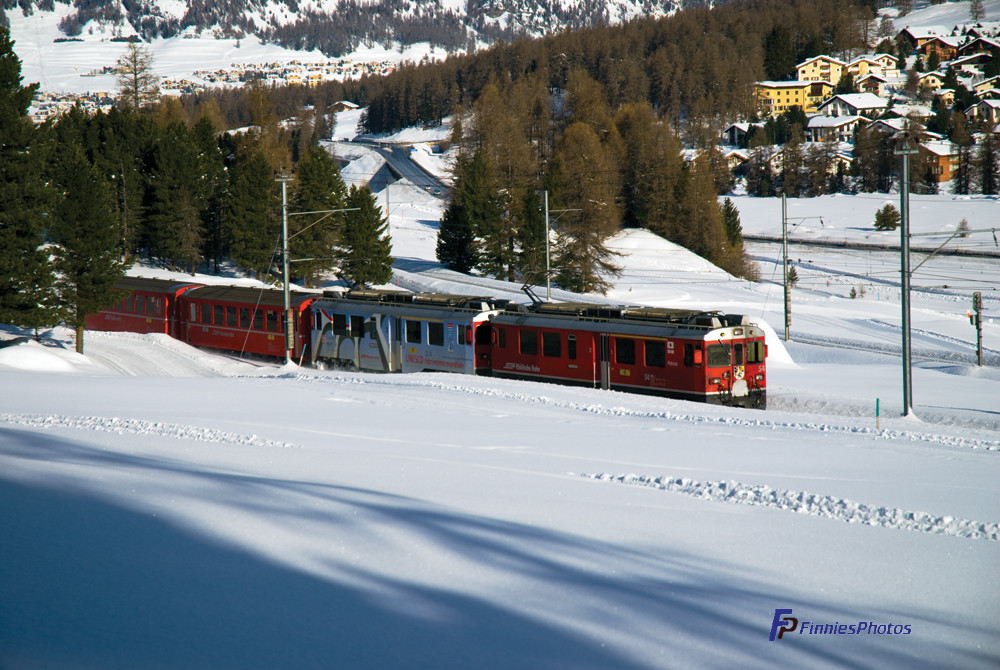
822, 57
820, 121
859, 100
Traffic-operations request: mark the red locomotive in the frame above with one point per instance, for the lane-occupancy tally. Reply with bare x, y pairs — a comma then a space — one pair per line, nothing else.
693, 355
688, 354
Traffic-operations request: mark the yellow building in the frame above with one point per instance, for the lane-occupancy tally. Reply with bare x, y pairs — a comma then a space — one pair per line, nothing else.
821, 68
779, 96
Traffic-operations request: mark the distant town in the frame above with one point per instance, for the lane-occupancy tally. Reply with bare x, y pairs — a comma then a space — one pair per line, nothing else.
46, 105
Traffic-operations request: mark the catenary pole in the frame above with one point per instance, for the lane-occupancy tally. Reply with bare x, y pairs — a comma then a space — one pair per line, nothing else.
905, 151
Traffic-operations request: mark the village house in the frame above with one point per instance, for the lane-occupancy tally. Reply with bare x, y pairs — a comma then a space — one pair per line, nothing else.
986, 85
981, 45
854, 104
920, 36
987, 111
945, 47
779, 96
931, 81
832, 128
821, 68
940, 157
874, 84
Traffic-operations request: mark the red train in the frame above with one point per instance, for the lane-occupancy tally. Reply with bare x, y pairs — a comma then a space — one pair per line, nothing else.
689, 354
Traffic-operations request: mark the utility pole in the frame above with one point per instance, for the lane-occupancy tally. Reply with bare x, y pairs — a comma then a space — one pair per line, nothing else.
905, 151
289, 318
548, 275
784, 258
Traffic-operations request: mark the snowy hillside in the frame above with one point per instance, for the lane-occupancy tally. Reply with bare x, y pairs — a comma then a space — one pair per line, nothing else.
164, 507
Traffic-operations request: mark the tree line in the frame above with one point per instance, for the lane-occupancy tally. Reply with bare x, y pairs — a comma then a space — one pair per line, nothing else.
82, 196
598, 168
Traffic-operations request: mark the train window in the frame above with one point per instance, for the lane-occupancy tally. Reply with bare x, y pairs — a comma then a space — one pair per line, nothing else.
258, 320
624, 351
357, 326
272, 320
692, 355
157, 306
413, 331
461, 334
529, 342
502, 338
340, 325
244, 317
738, 354
140, 304
206, 313
571, 346
718, 356
552, 345
281, 321
435, 333
220, 315
656, 354
483, 334
755, 352
231, 315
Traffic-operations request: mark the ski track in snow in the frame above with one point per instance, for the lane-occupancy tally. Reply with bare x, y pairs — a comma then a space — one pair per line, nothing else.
803, 502
139, 427
883, 434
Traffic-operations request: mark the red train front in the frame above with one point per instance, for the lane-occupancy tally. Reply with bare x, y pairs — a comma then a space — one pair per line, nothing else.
707, 357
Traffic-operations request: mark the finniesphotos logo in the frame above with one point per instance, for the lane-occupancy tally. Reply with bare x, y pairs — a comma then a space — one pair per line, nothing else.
783, 623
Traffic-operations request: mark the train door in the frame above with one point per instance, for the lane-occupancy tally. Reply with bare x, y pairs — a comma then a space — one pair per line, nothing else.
395, 344
604, 360
483, 348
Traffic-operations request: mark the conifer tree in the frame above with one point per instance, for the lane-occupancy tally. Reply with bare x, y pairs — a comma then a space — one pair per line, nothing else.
365, 242
252, 222
531, 234
456, 241
584, 260
318, 188
987, 165
26, 278
172, 203
138, 84
212, 186
84, 230
962, 182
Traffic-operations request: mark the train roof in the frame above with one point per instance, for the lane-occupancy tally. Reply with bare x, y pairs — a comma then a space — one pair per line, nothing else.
268, 297
598, 312
450, 300
151, 285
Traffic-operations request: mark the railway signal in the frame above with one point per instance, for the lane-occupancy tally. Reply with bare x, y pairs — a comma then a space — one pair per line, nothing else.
976, 319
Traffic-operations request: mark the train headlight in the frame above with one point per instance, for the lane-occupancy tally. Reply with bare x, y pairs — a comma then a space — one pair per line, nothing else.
759, 377
715, 380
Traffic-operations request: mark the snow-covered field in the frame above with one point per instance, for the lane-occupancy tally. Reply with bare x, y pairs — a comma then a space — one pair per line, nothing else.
164, 507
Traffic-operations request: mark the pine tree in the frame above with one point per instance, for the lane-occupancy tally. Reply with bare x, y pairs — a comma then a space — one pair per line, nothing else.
583, 259
212, 187
318, 188
962, 182
779, 54
26, 278
976, 10
138, 84
172, 203
84, 229
456, 241
531, 234
887, 218
365, 243
987, 165
252, 223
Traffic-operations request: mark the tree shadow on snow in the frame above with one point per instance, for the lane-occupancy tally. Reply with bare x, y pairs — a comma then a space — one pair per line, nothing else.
86, 583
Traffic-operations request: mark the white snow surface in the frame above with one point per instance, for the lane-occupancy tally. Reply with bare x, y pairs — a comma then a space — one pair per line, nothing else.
169, 507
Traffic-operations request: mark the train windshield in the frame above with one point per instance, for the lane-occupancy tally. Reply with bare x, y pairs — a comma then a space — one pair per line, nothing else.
718, 356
